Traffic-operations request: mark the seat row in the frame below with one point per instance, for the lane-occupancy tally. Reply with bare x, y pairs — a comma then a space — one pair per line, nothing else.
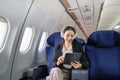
102, 50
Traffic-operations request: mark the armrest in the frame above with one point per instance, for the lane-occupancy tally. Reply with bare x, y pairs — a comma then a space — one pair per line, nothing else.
31, 72
37, 72
79, 74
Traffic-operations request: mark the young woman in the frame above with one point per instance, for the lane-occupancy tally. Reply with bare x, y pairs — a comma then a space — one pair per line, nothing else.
61, 71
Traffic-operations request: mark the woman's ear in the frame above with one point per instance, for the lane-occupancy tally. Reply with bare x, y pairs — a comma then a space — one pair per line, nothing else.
75, 36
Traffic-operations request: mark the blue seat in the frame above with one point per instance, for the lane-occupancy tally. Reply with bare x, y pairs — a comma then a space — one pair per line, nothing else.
82, 42
103, 53
52, 41
49, 56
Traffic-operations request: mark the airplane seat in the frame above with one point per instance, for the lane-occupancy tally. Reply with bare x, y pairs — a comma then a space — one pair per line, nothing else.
52, 41
82, 42
103, 53
49, 56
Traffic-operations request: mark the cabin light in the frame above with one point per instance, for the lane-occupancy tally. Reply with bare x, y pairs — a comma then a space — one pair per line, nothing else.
73, 4
116, 27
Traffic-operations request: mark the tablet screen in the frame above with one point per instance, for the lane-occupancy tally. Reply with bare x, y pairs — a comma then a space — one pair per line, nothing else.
69, 57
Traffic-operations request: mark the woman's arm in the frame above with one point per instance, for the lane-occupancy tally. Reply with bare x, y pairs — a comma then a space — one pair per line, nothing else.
58, 58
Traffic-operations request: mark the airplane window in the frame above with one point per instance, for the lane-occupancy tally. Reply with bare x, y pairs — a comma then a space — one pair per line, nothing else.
4, 29
43, 41
27, 39
117, 27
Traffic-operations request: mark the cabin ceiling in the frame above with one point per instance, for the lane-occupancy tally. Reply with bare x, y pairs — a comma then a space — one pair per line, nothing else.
110, 15
92, 15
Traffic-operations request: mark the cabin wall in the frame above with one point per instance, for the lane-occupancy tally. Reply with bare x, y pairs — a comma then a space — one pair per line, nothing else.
40, 15
14, 11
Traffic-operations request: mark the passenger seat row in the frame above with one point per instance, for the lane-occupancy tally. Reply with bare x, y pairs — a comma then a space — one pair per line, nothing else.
102, 50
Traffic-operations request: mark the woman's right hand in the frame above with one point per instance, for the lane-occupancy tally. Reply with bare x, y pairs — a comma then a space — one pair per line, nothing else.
60, 60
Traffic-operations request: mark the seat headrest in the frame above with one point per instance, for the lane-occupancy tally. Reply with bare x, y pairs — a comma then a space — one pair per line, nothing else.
81, 41
104, 38
54, 39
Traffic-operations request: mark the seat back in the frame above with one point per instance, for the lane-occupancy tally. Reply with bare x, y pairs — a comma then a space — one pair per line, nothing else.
82, 42
103, 53
49, 56
52, 41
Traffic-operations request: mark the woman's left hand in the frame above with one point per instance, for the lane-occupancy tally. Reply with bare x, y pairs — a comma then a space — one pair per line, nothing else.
76, 64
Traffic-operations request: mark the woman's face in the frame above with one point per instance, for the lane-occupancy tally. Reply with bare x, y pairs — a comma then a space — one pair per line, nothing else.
69, 36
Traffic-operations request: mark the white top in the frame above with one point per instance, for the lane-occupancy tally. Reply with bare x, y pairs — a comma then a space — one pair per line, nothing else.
64, 53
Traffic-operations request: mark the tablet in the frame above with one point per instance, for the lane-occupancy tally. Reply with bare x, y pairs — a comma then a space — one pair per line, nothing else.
69, 57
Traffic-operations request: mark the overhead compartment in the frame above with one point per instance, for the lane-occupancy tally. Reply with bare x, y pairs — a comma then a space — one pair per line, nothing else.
85, 13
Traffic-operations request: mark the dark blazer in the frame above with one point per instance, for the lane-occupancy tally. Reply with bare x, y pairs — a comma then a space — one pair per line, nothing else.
77, 47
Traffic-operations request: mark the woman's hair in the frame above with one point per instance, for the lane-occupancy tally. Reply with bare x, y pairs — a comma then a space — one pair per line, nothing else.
69, 27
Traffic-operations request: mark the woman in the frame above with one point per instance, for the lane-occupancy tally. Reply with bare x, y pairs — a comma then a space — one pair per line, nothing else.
68, 45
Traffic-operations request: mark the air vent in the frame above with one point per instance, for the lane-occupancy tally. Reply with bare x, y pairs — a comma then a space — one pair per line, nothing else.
87, 18
87, 8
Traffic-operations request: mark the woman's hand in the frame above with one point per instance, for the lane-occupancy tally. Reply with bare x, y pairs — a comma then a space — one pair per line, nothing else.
60, 60
76, 64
